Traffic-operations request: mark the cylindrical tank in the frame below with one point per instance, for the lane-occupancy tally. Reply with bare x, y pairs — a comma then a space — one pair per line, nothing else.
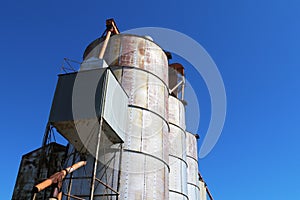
192, 161
177, 151
141, 67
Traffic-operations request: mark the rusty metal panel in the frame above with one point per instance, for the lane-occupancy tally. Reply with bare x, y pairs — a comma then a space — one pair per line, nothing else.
176, 112
141, 67
134, 51
157, 95
37, 166
155, 61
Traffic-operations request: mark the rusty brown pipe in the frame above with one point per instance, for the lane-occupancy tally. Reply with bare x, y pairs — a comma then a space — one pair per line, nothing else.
102, 51
57, 177
111, 29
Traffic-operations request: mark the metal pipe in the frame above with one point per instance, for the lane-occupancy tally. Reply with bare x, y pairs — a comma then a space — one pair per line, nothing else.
74, 197
107, 186
57, 177
75, 166
102, 51
182, 89
176, 86
59, 196
33, 196
96, 161
46, 135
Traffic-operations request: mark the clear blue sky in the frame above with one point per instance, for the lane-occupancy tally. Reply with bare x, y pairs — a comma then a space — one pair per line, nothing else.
255, 45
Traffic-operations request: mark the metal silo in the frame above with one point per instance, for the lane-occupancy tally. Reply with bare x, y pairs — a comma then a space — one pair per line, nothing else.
141, 67
192, 161
177, 150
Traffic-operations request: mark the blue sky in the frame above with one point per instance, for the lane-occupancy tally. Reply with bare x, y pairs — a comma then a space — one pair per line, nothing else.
255, 45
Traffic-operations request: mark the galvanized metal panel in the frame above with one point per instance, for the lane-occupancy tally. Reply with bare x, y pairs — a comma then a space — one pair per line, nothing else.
115, 106
178, 176
192, 172
134, 129
176, 112
193, 192
191, 145
81, 128
178, 166
135, 83
62, 106
132, 176
81, 133
177, 142
176, 196
144, 90
147, 132
156, 176
177, 146
166, 143
143, 177
93, 63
